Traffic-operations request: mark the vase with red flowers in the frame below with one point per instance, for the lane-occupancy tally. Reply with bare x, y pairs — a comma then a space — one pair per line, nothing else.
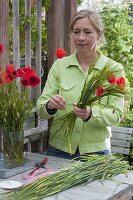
15, 107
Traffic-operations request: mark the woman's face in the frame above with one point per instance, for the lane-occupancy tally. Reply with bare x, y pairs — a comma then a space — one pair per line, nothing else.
84, 35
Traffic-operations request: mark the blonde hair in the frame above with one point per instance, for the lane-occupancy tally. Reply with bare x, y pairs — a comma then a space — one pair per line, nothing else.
94, 18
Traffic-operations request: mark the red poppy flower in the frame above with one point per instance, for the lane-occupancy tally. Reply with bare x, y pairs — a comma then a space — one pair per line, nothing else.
29, 77
31, 80
2, 47
7, 79
60, 53
99, 91
14, 74
25, 82
34, 80
112, 79
28, 70
10, 67
121, 81
11, 71
20, 73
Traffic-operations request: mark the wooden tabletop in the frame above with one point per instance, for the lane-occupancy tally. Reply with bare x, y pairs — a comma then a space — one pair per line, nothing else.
121, 187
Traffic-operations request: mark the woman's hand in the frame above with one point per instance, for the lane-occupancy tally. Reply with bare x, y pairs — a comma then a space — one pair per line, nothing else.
84, 114
57, 102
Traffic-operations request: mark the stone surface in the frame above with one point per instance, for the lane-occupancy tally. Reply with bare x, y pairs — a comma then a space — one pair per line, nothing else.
5, 172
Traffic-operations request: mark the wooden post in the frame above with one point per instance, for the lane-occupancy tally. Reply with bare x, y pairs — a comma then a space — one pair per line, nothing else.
38, 49
38, 42
16, 44
70, 10
55, 23
58, 19
4, 6
27, 33
28, 36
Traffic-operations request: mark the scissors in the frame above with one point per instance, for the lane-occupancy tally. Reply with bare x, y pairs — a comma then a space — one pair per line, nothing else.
39, 171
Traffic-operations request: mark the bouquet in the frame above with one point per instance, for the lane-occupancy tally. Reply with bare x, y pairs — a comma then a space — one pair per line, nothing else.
15, 104
15, 107
101, 84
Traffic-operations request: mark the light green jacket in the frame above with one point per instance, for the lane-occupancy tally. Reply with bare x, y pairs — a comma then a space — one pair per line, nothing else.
66, 78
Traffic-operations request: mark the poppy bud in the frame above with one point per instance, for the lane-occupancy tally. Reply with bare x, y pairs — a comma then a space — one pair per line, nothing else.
60, 53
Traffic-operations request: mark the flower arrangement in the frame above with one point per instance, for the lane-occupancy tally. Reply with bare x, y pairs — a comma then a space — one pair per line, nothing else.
101, 84
15, 107
15, 104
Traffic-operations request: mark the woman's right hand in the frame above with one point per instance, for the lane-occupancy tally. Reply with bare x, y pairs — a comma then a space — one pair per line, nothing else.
57, 102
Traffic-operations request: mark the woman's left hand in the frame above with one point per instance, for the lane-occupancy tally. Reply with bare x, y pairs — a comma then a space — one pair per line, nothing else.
82, 113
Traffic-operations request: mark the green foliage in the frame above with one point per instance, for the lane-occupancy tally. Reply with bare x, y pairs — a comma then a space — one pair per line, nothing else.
79, 1
15, 107
119, 37
127, 121
46, 4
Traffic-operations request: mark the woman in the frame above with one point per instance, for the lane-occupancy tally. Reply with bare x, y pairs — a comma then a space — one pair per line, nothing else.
63, 89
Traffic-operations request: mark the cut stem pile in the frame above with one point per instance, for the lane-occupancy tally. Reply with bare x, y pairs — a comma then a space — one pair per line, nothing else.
94, 167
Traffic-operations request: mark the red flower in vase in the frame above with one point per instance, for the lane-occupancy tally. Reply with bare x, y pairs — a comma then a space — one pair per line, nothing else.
31, 80
15, 101
12, 71
9, 74
34, 80
29, 77
99, 91
25, 82
20, 72
60, 53
28, 70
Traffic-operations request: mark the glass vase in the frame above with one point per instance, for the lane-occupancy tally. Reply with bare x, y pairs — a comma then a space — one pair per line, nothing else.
13, 145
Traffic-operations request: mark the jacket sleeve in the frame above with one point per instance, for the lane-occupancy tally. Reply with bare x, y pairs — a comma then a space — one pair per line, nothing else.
110, 115
51, 88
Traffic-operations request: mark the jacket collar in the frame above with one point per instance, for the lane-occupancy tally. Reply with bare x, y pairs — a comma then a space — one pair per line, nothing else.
100, 63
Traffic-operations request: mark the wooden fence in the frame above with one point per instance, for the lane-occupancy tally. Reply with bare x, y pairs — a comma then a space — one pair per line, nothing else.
17, 35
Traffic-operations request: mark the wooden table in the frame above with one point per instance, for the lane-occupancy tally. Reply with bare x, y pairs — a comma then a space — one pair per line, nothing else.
121, 187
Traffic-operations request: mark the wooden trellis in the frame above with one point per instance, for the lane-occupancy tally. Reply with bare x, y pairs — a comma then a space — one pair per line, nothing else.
16, 37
